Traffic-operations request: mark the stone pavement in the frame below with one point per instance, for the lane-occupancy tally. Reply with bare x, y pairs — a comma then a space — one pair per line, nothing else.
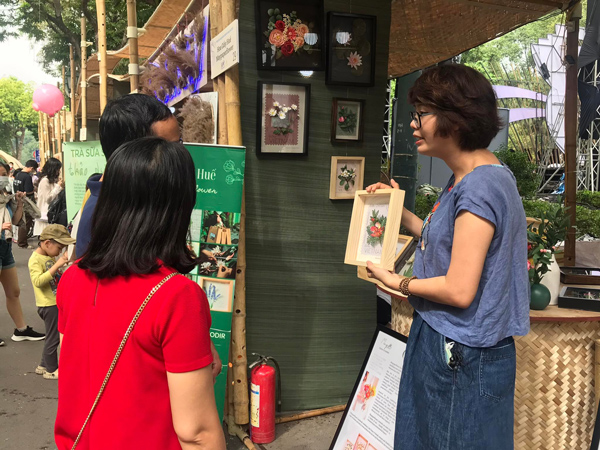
28, 402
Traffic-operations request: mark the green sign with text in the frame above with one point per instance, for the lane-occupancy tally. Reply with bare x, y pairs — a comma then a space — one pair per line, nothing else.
214, 232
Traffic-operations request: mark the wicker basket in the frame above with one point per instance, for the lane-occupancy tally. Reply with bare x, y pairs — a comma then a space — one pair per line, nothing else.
555, 405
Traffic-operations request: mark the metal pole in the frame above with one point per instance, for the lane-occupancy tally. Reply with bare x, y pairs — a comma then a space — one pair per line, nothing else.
73, 94
83, 78
132, 36
101, 16
571, 129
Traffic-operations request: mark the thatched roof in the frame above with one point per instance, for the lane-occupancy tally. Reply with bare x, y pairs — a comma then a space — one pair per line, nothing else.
425, 32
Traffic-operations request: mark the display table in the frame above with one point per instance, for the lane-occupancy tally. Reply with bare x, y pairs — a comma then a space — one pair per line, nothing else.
555, 402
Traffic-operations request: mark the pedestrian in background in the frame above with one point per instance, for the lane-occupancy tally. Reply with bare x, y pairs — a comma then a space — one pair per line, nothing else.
11, 213
49, 187
24, 183
45, 273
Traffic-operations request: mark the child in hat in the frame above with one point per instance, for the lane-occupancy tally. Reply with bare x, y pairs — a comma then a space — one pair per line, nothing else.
44, 273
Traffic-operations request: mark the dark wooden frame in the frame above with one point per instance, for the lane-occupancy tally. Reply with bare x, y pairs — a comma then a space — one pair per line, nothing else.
585, 304
570, 278
259, 142
361, 118
319, 4
329, 77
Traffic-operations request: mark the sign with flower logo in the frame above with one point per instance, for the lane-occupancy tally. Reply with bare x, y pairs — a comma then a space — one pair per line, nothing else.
283, 109
290, 35
347, 120
347, 174
351, 43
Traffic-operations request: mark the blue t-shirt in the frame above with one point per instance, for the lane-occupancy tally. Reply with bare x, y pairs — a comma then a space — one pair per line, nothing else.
501, 305
84, 232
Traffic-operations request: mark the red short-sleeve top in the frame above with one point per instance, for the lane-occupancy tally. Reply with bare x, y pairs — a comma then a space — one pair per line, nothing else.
172, 334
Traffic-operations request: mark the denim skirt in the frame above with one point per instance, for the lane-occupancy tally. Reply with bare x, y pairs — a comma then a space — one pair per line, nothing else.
455, 397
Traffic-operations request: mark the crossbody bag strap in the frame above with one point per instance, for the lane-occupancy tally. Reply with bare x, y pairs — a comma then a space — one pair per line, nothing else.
119, 350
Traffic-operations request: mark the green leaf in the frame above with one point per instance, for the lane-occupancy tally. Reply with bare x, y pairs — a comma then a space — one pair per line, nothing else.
341, 182
279, 17
277, 132
270, 11
276, 11
272, 19
347, 187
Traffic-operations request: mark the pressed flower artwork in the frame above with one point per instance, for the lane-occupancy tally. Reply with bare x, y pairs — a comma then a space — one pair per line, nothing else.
290, 35
219, 293
373, 230
283, 127
347, 120
351, 49
347, 174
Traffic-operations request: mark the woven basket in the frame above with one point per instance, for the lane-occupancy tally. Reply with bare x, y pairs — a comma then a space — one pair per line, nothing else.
554, 393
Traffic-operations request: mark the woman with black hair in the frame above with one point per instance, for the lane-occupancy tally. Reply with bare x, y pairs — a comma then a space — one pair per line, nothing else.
49, 187
160, 394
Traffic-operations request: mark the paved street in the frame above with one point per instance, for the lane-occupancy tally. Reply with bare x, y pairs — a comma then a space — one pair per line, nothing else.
28, 402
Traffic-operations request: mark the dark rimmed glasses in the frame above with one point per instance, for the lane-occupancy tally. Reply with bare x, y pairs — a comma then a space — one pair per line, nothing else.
416, 117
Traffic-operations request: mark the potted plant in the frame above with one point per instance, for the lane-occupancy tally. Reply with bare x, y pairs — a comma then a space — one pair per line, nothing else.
542, 239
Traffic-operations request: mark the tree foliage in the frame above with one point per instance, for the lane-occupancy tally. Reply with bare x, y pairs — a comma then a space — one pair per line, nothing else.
57, 23
16, 115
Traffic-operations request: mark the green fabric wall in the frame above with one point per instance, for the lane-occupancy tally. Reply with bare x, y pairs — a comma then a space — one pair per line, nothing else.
305, 307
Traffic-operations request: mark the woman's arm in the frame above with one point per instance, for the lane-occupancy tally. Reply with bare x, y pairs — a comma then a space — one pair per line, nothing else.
471, 242
53, 192
194, 411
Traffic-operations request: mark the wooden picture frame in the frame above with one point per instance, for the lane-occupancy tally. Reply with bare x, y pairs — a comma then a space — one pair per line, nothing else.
341, 185
283, 111
402, 245
347, 120
292, 46
351, 44
374, 228
219, 292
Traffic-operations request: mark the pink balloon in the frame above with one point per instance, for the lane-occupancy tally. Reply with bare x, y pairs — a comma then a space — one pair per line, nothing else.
48, 99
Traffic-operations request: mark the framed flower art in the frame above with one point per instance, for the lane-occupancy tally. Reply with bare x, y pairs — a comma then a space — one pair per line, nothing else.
347, 175
290, 35
351, 40
347, 120
283, 112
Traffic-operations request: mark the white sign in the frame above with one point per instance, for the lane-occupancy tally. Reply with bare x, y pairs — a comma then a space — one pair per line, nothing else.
225, 50
370, 418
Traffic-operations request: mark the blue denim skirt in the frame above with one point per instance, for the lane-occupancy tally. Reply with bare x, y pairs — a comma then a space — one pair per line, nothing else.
455, 397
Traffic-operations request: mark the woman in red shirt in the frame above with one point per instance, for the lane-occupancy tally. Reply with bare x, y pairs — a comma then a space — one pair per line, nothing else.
160, 394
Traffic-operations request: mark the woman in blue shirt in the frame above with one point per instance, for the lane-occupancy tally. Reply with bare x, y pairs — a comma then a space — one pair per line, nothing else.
470, 288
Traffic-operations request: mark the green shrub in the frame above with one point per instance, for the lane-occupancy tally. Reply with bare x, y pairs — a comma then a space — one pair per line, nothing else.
423, 204
589, 199
588, 220
523, 169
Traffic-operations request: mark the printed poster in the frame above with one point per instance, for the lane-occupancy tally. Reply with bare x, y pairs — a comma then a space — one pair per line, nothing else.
214, 237
81, 160
369, 420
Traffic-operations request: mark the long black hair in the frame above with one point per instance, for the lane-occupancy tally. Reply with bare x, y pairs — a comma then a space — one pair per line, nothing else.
51, 170
143, 212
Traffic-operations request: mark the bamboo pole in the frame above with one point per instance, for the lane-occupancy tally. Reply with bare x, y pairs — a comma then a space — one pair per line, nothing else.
216, 26
83, 79
237, 431
101, 17
571, 131
132, 37
597, 372
73, 93
58, 132
238, 331
317, 412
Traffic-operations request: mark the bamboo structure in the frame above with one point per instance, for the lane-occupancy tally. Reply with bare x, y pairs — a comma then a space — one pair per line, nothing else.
238, 329
597, 371
216, 26
571, 130
101, 17
72, 94
313, 413
132, 38
83, 78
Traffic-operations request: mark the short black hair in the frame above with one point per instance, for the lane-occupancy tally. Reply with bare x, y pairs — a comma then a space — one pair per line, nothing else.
464, 103
129, 117
51, 170
143, 218
32, 163
6, 166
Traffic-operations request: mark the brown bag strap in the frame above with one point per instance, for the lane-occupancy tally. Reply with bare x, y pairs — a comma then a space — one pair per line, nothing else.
119, 350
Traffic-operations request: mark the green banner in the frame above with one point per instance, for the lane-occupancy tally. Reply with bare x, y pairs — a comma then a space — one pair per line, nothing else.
214, 231
81, 160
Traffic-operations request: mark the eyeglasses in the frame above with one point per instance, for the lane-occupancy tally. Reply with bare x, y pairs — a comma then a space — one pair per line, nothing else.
416, 117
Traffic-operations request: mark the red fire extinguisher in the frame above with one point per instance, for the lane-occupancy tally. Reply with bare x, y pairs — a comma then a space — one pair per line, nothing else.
263, 397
